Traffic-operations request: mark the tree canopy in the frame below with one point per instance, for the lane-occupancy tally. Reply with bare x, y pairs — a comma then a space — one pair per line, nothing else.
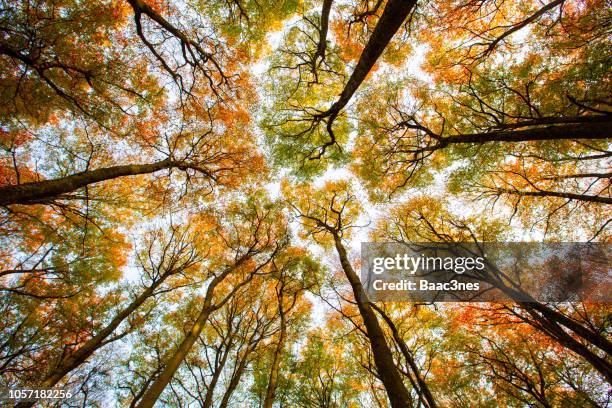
184, 186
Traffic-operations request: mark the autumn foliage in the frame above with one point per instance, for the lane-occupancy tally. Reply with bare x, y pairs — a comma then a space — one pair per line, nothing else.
184, 187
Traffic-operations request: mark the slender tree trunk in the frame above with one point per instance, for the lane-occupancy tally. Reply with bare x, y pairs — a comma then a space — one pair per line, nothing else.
173, 362
43, 191
587, 334
275, 367
323, 28
389, 22
77, 358
388, 372
524, 23
235, 380
210, 392
550, 321
552, 329
239, 368
547, 313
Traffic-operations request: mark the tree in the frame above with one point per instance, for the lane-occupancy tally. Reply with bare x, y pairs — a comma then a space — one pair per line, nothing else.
224, 350
321, 377
174, 174
163, 260
295, 273
308, 131
418, 220
254, 238
327, 216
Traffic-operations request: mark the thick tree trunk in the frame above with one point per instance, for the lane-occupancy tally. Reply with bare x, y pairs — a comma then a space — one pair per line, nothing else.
559, 194
600, 128
390, 21
388, 372
423, 388
43, 191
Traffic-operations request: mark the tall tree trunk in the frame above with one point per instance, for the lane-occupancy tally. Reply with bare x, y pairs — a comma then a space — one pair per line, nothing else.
239, 367
173, 362
278, 351
599, 128
323, 28
235, 380
422, 385
210, 392
591, 336
390, 21
559, 194
550, 326
545, 312
74, 360
388, 372
549, 321
42, 191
